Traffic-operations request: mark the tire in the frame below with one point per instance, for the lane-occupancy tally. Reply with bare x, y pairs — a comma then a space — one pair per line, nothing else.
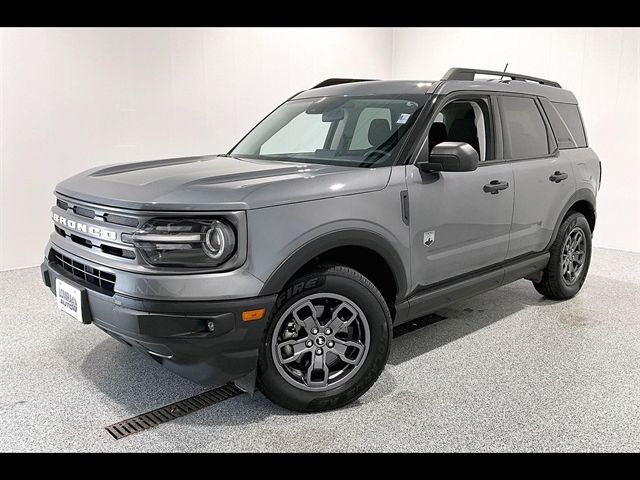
340, 297
554, 283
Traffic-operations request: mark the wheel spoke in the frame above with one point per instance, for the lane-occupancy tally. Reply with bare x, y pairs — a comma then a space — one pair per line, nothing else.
318, 366
577, 239
343, 315
341, 346
299, 348
306, 316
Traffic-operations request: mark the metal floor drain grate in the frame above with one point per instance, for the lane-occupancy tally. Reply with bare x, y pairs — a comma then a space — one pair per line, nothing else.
171, 412
416, 324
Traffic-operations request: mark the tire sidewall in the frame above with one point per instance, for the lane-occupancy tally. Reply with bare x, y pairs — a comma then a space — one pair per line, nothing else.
575, 220
282, 392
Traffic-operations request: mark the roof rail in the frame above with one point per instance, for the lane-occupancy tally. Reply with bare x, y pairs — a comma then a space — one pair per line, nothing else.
337, 81
470, 74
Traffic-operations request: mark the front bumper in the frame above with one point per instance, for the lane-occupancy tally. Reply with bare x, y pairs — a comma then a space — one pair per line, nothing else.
175, 333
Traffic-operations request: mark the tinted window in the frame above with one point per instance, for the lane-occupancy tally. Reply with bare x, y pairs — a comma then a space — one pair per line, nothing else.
463, 121
572, 118
564, 137
523, 129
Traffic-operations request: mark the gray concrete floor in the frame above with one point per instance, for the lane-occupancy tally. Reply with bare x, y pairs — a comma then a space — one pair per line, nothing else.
507, 370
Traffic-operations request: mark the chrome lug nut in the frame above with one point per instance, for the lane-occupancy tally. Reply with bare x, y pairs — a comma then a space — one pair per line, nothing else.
314, 331
327, 331
318, 351
309, 343
330, 344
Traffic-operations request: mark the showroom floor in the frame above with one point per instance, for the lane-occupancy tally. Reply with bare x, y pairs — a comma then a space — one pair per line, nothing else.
507, 370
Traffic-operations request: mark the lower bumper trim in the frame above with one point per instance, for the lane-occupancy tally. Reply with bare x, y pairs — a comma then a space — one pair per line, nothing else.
178, 334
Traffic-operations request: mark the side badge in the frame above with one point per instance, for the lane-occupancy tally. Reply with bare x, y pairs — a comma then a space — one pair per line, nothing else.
429, 238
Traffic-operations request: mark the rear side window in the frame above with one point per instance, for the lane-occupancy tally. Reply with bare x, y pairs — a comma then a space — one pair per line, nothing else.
523, 129
571, 116
564, 137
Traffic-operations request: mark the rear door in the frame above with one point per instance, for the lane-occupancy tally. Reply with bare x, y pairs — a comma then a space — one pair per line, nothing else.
543, 176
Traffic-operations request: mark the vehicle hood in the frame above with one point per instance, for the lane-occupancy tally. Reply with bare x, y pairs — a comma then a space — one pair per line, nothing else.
217, 183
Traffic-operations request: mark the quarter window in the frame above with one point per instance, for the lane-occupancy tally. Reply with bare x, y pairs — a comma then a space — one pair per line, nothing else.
523, 129
564, 137
571, 116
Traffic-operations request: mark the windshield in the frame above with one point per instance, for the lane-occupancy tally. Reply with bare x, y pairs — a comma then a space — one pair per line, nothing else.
353, 131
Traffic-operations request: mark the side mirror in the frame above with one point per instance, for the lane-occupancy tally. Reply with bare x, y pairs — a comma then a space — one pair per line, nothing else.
449, 157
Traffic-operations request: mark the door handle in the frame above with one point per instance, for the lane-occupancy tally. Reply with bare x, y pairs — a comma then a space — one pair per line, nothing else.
557, 177
494, 186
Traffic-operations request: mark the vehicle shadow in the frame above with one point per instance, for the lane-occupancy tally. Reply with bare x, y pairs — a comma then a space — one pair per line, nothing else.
140, 384
460, 319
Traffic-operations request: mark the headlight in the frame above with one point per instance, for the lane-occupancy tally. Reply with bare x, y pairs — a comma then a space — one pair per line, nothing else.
186, 243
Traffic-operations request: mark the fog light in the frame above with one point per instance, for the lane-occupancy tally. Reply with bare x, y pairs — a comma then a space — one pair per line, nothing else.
211, 325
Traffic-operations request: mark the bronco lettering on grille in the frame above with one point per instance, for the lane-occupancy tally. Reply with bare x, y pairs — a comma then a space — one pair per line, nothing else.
86, 228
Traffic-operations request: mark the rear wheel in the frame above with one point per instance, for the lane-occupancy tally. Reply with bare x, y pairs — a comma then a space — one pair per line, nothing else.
327, 341
569, 261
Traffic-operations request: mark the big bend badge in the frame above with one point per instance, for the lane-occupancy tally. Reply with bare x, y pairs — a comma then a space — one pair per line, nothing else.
429, 238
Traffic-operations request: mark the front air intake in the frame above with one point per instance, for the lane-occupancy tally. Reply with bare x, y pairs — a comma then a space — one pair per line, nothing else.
105, 281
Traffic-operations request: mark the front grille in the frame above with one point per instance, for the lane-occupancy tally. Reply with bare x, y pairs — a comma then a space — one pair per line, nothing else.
104, 280
84, 212
62, 204
121, 220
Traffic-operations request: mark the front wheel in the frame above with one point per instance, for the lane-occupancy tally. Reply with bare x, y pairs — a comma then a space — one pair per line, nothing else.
327, 341
569, 261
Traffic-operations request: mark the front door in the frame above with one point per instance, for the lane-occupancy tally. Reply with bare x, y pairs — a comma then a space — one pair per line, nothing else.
460, 221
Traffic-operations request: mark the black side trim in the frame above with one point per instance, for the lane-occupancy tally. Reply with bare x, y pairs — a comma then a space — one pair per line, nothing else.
445, 293
404, 199
341, 238
475, 273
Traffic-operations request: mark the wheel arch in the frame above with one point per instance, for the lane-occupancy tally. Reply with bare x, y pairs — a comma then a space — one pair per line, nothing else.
582, 201
358, 249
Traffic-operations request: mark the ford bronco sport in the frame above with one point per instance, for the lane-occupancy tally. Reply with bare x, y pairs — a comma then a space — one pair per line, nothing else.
355, 206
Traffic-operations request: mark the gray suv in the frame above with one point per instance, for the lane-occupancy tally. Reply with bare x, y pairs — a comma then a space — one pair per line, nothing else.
354, 207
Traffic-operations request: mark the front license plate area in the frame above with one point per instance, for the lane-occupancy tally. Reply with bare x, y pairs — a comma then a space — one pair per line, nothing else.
70, 300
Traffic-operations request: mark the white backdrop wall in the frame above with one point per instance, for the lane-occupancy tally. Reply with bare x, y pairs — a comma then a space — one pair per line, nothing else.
71, 99
600, 66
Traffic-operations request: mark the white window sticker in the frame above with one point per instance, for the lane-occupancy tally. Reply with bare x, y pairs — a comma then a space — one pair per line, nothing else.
403, 118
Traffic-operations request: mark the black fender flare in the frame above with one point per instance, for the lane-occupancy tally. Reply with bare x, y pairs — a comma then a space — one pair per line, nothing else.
341, 238
582, 194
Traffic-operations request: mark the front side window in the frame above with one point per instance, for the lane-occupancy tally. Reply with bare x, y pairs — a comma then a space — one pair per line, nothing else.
352, 131
463, 121
523, 129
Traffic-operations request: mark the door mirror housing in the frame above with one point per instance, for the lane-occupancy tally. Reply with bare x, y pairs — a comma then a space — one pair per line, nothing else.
449, 157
